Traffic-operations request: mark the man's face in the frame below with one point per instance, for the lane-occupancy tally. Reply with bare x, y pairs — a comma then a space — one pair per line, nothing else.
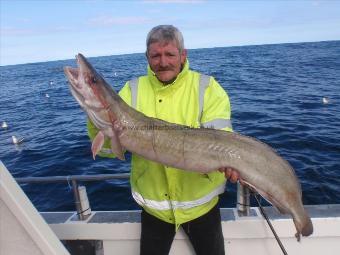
165, 60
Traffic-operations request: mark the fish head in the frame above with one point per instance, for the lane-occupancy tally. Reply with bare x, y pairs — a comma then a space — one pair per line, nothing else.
85, 84
93, 93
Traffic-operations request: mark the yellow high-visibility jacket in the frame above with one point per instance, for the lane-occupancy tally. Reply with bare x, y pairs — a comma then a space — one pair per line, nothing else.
173, 195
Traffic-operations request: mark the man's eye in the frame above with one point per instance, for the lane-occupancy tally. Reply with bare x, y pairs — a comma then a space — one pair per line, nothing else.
171, 54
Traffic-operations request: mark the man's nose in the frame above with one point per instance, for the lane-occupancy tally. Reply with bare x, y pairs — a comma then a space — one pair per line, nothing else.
163, 61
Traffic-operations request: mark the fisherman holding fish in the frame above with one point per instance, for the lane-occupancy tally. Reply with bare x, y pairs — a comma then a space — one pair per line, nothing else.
174, 173
170, 197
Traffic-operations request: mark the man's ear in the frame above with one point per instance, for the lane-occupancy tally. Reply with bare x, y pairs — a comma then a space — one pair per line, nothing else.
183, 56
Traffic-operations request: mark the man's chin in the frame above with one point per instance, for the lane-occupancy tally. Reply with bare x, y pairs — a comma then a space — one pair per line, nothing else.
166, 79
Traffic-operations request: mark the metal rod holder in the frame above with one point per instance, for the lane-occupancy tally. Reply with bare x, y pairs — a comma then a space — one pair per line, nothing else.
243, 200
77, 200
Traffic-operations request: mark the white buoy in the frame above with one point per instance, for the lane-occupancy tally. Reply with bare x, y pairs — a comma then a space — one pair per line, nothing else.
16, 140
51, 82
47, 95
325, 100
4, 125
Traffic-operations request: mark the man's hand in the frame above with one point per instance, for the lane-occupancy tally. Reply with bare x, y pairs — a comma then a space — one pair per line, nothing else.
230, 173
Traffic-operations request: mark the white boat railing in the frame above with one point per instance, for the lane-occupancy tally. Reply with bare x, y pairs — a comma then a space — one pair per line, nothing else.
74, 179
243, 204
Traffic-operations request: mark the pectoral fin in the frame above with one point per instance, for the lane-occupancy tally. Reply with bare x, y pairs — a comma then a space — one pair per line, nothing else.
97, 144
116, 147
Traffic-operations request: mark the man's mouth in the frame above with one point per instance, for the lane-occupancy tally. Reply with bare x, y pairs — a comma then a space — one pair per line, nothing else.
164, 70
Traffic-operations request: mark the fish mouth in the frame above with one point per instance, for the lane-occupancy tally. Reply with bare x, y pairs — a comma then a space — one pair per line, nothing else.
81, 74
73, 73
77, 77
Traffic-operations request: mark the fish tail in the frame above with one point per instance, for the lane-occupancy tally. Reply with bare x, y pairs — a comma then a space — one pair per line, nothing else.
303, 224
307, 228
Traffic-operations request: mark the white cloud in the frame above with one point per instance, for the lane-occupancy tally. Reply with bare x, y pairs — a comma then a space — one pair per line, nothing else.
12, 31
109, 21
316, 3
174, 1
21, 32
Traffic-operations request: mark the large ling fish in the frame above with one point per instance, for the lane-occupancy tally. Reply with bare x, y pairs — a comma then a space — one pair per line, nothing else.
192, 149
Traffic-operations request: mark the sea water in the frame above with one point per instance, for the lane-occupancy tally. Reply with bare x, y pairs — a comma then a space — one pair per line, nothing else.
287, 95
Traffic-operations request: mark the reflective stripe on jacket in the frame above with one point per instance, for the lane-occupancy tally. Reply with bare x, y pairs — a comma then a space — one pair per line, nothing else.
194, 100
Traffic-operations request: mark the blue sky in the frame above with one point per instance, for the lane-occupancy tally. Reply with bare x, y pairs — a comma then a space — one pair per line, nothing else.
35, 31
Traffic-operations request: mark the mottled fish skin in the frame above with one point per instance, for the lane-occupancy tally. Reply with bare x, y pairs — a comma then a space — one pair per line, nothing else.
191, 149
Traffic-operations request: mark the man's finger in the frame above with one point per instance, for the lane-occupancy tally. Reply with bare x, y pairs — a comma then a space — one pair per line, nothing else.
234, 176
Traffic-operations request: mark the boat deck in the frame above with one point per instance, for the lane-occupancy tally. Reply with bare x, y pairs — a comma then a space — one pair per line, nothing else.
23, 230
118, 231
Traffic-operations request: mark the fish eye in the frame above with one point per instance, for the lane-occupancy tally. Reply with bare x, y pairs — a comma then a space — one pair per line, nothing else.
93, 79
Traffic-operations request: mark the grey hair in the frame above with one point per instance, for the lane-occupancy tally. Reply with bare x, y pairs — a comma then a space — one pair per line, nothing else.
165, 33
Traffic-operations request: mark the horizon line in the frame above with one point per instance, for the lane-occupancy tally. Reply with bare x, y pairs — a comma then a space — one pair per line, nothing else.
213, 47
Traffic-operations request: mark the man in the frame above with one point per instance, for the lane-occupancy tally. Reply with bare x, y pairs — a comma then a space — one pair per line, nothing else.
171, 197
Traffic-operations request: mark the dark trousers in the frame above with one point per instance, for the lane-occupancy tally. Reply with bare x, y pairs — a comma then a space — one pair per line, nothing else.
205, 234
